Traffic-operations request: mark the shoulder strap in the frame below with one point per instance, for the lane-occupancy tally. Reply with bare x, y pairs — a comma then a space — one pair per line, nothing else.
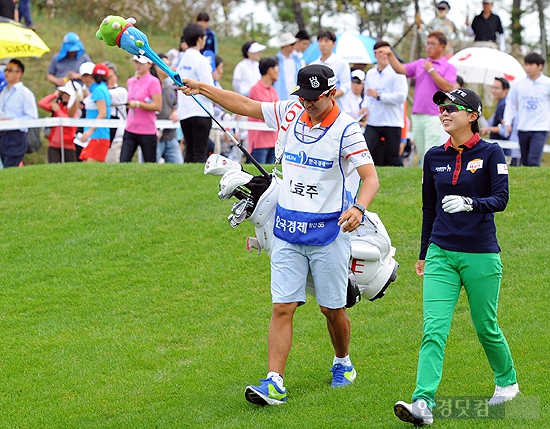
290, 116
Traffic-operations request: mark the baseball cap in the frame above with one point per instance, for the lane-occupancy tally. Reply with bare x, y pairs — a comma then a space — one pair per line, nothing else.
86, 68
358, 74
255, 48
461, 96
101, 70
111, 66
142, 59
443, 4
488, 1
313, 80
286, 39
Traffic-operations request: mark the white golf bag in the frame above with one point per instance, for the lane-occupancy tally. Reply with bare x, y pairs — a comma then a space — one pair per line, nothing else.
372, 254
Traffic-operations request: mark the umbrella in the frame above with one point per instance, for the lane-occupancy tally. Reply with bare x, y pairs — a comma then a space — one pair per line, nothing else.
482, 65
19, 41
354, 48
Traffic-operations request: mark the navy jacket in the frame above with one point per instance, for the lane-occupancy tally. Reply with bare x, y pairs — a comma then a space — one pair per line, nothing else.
479, 172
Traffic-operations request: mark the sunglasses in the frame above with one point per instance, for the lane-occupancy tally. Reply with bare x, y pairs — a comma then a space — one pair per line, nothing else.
452, 108
441, 8
302, 99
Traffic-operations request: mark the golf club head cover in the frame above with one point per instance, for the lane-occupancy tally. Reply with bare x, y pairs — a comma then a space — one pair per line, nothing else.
230, 181
117, 31
218, 165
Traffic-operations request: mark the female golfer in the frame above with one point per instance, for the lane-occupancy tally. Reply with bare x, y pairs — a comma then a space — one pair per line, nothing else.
465, 183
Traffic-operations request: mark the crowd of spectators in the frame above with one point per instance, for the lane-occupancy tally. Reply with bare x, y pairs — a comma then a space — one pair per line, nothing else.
375, 96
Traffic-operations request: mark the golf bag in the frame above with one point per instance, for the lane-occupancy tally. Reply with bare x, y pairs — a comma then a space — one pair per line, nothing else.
372, 266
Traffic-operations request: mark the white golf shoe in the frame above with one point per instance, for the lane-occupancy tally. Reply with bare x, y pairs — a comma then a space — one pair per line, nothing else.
218, 165
416, 413
503, 394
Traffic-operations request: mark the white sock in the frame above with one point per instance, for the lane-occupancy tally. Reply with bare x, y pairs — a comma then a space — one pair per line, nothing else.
346, 361
276, 377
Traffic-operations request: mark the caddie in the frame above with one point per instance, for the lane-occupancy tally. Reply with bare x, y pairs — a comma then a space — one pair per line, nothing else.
322, 147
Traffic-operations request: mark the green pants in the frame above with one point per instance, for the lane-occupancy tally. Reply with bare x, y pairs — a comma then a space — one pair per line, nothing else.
444, 274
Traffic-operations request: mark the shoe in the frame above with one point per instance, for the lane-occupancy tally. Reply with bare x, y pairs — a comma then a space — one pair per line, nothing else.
416, 413
267, 393
342, 375
503, 394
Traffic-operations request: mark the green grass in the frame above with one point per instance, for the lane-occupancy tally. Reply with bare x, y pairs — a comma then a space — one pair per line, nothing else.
127, 301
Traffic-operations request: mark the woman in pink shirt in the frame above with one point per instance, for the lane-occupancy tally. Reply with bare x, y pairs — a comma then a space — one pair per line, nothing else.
261, 144
144, 99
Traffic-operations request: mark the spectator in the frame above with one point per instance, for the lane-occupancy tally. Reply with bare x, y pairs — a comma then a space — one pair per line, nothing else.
16, 102
432, 74
8, 10
119, 99
496, 127
247, 72
211, 43
445, 25
24, 10
144, 99
327, 41
304, 40
356, 97
386, 92
168, 145
65, 64
63, 103
85, 71
98, 107
195, 122
261, 144
529, 99
485, 28
289, 65
222, 143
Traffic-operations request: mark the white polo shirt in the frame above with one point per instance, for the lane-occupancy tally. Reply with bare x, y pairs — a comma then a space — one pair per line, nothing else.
393, 90
342, 71
194, 65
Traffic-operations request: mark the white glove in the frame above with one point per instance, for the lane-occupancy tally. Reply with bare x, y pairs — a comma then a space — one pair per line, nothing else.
456, 203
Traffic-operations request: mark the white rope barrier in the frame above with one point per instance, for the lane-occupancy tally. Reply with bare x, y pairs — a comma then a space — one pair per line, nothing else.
16, 124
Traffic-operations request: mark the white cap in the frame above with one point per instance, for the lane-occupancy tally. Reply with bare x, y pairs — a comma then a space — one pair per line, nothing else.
74, 90
86, 68
359, 74
255, 48
286, 39
141, 59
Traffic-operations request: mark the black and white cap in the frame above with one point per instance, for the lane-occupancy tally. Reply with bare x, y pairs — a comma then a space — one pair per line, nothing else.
313, 80
461, 96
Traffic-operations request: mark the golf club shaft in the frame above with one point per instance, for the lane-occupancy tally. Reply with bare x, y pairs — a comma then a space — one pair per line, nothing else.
235, 141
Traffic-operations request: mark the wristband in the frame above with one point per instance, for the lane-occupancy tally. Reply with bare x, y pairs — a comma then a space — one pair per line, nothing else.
137, 104
360, 207
431, 70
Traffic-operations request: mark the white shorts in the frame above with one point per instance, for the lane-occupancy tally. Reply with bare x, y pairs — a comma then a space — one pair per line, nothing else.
290, 264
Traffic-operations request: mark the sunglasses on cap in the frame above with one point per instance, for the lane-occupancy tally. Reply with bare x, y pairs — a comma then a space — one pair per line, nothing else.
302, 99
453, 108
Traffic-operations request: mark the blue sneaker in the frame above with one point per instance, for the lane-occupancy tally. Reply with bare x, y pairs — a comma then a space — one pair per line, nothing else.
342, 375
267, 393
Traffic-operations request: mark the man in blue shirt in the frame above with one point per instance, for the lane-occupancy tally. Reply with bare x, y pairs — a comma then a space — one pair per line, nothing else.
16, 102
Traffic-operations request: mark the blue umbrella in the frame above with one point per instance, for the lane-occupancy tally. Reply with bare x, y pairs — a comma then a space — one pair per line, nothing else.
354, 48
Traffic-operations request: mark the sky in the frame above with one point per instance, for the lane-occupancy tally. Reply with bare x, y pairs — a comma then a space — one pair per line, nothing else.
457, 14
